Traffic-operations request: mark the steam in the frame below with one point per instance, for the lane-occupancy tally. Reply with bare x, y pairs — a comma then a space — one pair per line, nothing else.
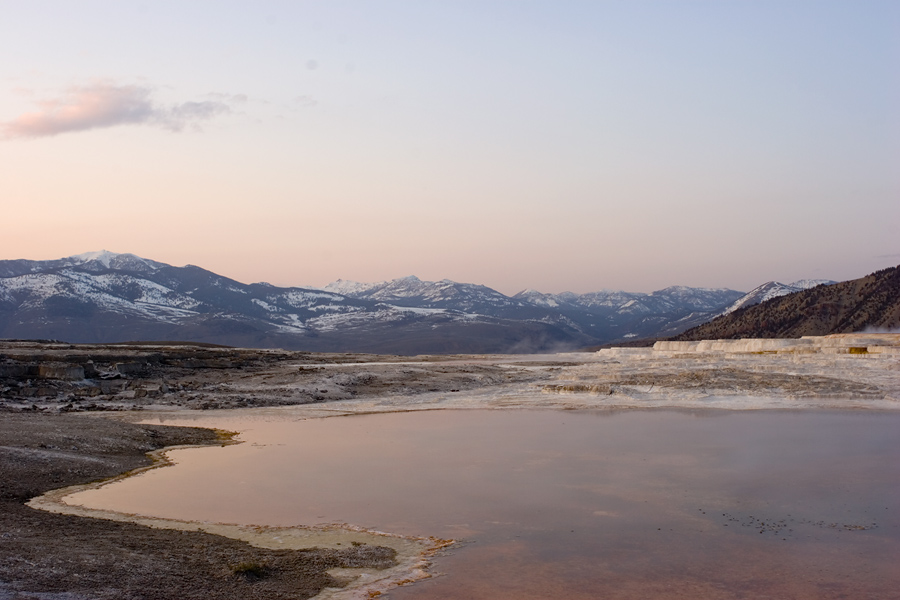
873, 329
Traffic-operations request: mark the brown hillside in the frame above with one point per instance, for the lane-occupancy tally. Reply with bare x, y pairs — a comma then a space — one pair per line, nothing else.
872, 301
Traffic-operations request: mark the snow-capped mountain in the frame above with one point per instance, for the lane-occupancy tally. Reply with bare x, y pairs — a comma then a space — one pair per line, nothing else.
466, 297
608, 315
613, 315
93, 262
106, 297
136, 288
773, 289
666, 300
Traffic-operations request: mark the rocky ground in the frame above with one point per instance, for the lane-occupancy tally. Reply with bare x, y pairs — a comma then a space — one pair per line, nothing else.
45, 445
76, 378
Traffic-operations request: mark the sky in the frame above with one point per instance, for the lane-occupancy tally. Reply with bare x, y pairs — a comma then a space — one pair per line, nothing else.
554, 145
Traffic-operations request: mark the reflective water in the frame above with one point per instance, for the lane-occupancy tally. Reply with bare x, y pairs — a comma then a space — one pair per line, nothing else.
566, 504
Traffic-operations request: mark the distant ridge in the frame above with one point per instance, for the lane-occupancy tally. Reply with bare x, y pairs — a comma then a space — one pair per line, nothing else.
606, 315
868, 303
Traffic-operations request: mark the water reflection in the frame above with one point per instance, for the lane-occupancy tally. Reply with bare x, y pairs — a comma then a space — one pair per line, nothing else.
572, 504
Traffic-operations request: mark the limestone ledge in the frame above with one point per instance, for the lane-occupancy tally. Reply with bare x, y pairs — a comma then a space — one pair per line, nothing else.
872, 344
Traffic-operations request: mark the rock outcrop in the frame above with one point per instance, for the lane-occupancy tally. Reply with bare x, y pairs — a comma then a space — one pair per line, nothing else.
868, 303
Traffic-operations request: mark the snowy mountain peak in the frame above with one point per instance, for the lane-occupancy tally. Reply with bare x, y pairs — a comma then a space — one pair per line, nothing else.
805, 284
539, 298
773, 289
683, 289
102, 256
350, 288
104, 259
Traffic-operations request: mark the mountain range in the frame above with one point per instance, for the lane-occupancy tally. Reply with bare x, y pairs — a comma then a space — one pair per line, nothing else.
108, 297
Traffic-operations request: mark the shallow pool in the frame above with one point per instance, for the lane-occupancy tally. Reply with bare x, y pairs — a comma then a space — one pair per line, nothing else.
571, 504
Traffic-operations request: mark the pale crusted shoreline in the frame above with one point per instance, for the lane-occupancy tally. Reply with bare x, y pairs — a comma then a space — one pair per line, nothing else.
48, 555
411, 558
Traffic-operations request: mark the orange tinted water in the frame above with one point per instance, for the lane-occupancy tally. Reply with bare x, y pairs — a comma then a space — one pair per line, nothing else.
557, 504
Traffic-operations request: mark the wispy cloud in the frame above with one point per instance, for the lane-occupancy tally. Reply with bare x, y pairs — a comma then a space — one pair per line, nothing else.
306, 101
104, 104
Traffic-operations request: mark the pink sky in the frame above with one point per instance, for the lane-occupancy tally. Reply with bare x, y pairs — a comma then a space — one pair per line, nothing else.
555, 146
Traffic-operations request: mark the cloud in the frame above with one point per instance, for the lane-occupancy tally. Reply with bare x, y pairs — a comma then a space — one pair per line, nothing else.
189, 113
103, 104
228, 98
306, 101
